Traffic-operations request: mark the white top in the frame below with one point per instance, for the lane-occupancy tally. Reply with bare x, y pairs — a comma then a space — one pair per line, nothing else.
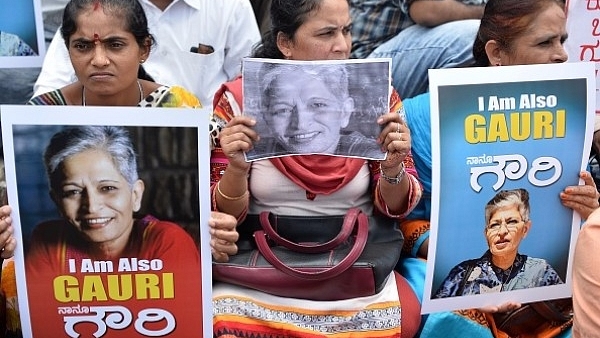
229, 26
273, 191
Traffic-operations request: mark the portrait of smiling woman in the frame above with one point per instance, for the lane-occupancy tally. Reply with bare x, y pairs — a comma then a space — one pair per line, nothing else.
502, 267
313, 113
93, 180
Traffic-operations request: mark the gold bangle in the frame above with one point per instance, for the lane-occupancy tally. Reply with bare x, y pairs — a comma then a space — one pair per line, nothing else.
229, 198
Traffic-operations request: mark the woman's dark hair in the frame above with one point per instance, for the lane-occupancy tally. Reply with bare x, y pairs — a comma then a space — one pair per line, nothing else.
504, 21
130, 10
286, 17
142, 74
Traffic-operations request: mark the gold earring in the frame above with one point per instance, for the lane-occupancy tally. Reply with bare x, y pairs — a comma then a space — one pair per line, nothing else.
142, 60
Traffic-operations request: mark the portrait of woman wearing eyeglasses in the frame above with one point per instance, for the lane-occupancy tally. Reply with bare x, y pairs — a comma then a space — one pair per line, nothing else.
502, 267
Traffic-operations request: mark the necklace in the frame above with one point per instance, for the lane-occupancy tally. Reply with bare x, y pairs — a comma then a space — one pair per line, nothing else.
139, 88
506, 277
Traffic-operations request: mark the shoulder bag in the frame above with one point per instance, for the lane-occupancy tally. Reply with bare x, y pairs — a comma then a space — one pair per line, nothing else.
316, 258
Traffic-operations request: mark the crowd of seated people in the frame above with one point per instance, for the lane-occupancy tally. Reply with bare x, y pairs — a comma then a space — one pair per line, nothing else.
478, 33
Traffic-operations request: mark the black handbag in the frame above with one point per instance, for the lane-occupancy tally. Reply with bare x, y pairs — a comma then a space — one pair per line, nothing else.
317, 258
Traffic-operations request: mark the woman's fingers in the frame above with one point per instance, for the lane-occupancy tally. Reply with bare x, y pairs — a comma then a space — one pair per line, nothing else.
394, 138
223, 236
582, 198
9, 248
506, 307
8, 243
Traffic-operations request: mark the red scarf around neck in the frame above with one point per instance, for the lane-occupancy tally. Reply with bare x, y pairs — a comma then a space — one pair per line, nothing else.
318, 174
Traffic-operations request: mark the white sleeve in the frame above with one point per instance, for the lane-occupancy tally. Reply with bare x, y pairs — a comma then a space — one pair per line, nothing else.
242, 35
57, 70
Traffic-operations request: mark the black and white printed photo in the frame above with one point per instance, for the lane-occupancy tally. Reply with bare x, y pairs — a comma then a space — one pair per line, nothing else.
316, 107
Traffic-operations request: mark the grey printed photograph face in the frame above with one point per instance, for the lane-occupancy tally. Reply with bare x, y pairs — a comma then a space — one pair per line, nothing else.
317, 107
305, 115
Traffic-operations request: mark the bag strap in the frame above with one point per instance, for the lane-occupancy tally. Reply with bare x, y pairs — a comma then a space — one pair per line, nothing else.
345, 232
326, 273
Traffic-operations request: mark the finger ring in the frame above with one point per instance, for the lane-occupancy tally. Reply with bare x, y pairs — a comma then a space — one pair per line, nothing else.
398, 129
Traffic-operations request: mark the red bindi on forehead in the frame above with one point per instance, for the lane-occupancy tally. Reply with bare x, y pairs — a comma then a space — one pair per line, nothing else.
95, 7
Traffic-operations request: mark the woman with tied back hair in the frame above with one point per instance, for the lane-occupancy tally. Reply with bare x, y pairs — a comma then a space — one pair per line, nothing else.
512, 32
509, 33
108, 41
310, 186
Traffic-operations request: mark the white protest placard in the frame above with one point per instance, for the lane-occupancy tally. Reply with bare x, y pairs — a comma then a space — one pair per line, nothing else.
517, 128
72, 198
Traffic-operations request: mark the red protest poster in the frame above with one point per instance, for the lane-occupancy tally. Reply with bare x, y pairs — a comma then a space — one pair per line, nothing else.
112, 220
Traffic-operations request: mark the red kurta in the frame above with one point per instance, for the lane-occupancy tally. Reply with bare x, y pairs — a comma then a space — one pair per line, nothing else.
155, 286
